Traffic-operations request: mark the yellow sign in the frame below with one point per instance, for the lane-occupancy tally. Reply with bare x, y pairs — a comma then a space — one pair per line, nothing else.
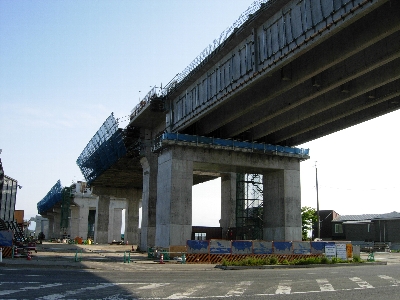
349, 250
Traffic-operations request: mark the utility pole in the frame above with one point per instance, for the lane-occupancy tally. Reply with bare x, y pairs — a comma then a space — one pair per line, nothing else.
318, 220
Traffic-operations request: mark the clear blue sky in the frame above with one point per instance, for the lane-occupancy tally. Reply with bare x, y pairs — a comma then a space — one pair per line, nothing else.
66, 65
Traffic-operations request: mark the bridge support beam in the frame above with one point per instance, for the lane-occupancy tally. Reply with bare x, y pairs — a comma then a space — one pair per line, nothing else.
228, 202
282, 205
174, 199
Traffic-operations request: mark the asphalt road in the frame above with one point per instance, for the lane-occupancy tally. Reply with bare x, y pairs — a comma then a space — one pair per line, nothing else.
201, 282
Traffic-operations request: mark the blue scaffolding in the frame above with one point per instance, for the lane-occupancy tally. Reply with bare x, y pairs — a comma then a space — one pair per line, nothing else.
53, 197
104, 149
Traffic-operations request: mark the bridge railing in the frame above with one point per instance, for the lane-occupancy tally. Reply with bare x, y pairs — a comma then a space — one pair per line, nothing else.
232, 144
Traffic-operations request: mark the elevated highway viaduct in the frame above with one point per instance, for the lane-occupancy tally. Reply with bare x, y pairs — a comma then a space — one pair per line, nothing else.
286, 73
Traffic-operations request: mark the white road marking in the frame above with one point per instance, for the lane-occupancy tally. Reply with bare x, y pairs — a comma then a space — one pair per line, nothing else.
187, 293
324, 285
152, 286
42, 286
78, 291
240, 288
395, 282
361, 283
284, 287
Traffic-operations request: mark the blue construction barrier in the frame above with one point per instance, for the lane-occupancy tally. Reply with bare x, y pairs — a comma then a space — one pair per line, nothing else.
247, 247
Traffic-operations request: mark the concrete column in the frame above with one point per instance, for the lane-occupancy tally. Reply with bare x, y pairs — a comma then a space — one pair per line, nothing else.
74, 222
101, 234
282, 205
115, 219
84, 204
50, 232
57, 223
132, 218
174, 199
44, 227
228, 203
149, 200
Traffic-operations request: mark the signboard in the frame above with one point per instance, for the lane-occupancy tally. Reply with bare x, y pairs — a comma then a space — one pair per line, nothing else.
341, 251
349, 250
330, 250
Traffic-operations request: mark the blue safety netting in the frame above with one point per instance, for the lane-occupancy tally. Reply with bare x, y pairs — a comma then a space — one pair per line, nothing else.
53, 197
227, 143
104, 149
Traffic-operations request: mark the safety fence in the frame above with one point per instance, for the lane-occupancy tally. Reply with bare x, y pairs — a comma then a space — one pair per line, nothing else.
218, 258
230, 144
215, 251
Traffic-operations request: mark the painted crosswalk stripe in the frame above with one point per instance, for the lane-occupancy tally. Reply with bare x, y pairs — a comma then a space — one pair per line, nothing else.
324, 285
78, 291
240, 288
187, 293
395, 282
284, 287
42, 286
361, 283
152, 286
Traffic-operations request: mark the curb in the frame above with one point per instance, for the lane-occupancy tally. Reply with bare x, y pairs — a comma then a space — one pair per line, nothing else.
301, 266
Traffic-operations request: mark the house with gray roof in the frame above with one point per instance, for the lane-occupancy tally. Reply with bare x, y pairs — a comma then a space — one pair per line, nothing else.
367, 227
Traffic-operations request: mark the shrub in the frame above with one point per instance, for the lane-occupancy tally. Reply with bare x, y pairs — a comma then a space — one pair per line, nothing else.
273, 260
324, 260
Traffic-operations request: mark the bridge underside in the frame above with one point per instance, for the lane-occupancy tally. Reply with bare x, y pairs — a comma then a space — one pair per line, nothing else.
127, 173
328, 85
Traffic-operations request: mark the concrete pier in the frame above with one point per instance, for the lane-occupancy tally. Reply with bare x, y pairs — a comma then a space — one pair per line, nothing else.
174, 199
282, 204
111, 202
228, 202
176, 165
149, 200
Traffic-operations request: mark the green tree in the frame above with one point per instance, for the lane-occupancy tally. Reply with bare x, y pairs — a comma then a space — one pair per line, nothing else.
308, 218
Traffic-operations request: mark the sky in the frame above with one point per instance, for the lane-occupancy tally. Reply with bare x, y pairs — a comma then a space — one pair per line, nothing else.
65, 66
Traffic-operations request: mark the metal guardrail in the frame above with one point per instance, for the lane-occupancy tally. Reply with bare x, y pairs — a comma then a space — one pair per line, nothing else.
233, 144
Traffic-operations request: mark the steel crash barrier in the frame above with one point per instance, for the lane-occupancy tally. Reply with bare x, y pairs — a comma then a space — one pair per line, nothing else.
216, 251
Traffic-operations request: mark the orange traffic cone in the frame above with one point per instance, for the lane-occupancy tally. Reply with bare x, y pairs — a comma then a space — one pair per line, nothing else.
29, 256
162, 259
